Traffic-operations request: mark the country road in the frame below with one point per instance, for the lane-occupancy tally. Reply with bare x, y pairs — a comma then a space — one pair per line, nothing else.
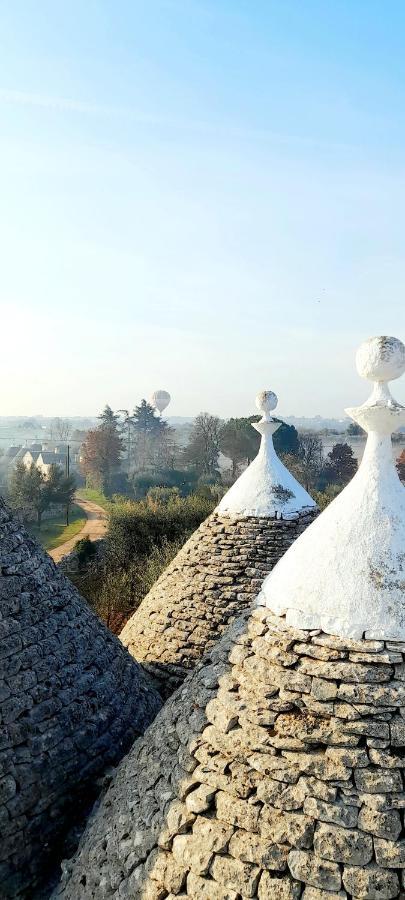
94, 528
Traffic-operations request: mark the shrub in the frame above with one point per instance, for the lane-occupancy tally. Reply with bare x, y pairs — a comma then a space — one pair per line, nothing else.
143, 537
135, 528
115, 593
323, 498
85, 550
184, 480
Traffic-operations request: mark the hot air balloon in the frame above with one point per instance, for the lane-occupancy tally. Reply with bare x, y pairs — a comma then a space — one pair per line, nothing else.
160, 399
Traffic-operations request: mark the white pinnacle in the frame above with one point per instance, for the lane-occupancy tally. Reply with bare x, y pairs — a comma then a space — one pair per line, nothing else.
346, 573
266, 488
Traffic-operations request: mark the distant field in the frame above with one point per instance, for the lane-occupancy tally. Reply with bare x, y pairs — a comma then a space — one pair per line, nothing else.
54, 532
94, 496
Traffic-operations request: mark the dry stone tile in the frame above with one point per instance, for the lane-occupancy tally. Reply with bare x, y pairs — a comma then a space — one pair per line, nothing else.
272, 888
282, 827
237, 812
392, 694
335, 813
370, 882
344, 671
385, 759
213, 835
322, 689
235, 875
312, 893
308, 868
342, 844
207, 889
390, 854
192, 853
330, 640
200, 799
163, 868
385, 824
397, 730
251, 848
376, 781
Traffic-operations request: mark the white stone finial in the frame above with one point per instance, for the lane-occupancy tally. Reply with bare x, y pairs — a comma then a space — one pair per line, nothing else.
266, 402
381, 359
346, 573
266, 488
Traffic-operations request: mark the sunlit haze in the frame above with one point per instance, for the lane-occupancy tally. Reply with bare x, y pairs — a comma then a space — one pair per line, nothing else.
205, 196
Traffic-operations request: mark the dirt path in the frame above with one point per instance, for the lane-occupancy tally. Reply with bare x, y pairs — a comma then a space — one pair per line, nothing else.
94, 528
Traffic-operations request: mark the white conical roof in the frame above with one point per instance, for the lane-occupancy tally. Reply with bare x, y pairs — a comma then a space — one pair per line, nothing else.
266, 487
346, 574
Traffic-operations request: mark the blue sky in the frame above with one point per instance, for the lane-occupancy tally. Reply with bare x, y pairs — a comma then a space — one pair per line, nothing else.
206, 196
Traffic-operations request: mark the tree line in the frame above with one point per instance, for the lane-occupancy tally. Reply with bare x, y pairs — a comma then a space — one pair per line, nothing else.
132, 454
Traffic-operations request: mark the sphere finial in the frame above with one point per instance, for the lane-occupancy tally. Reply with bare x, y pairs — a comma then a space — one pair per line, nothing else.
266, 401
381, 358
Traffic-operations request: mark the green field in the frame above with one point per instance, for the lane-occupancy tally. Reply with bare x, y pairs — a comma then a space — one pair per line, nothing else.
95, 496
54, 532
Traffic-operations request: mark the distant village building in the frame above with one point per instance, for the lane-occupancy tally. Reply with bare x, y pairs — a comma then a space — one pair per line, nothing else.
42, 458
11, 452
30, 458
46, 459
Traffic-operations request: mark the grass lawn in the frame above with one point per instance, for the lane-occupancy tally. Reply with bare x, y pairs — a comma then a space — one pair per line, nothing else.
95, 496
55, 531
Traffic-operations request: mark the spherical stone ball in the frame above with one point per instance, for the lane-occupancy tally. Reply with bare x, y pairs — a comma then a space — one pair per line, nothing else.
266, 401
381, 358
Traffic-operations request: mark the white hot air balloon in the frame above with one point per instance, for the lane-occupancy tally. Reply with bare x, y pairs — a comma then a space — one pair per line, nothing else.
160, 399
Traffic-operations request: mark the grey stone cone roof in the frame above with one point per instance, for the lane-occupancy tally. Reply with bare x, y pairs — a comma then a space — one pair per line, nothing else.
211, 580
71, 703
275, 772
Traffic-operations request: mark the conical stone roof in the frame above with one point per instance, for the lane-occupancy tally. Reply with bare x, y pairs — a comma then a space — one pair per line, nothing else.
275, 772
71, 703
220, 569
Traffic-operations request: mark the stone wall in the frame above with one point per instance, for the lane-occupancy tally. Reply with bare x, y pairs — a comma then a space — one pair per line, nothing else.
275, 772
71, 703
214, 577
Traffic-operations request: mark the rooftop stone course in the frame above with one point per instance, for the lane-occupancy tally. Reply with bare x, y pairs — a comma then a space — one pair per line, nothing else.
220, 569
72, 701
275, 772
215, 575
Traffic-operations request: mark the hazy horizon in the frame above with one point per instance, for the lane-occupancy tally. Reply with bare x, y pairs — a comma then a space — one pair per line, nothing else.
205, 196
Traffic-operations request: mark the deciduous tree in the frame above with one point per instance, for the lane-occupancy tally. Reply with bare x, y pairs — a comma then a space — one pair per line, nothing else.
60, 429
310, 455
202, 451
101, 452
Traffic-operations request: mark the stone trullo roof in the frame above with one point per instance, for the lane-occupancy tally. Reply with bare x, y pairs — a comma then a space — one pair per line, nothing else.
275, 772
220, 569
71, 703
